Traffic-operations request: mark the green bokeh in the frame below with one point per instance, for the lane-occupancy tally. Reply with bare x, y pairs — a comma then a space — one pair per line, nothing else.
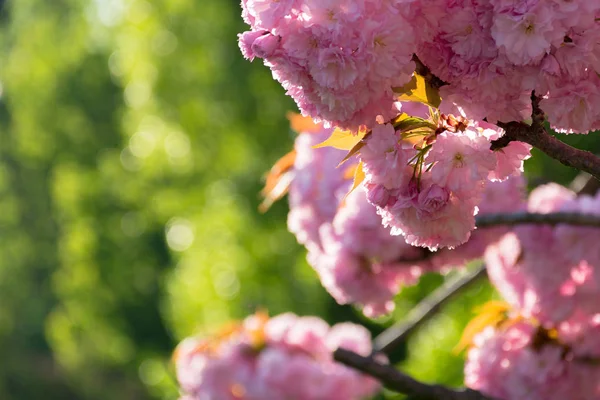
133, 137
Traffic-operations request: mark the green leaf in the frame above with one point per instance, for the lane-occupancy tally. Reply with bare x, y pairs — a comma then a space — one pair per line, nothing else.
406, 123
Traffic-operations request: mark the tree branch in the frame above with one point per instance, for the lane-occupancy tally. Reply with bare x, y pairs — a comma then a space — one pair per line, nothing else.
395, 335
570, 218
584, 183
537, 136
426, 73
534, 134
402, 383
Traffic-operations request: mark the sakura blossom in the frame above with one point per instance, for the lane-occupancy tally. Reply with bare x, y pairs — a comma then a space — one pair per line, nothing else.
342, 61
522, 360
518, 262
286, 356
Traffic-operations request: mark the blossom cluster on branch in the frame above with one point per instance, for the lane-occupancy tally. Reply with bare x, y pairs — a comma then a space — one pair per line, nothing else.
548, 347
416, 125
284, 357
427, 178
356, 257
342, 60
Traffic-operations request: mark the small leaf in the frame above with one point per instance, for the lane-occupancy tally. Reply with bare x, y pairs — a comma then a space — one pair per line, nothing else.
341, 139
419, 90
350, 171
491, 313
299, 123
356, 148
359, 176
411, 123
278, 181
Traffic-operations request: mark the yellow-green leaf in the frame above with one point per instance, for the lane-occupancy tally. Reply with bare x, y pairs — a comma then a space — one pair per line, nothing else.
356, 148
419, 90
341, 139
405, 123
359, 176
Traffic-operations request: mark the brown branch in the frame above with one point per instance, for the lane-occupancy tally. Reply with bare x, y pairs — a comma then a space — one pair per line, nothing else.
584, 184
395, 335
425, 72
537, 136
534, 134
401, 382
518, 218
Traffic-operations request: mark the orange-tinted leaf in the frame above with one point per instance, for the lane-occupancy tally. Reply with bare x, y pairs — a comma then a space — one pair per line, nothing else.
419, 90
341, 139
491, 313
350, 171
277, 192
278, 181
300, 123
255, 328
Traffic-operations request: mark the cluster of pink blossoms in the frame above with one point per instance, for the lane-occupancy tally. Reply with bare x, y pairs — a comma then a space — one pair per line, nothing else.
357, 259
338, 59
551, 277
285, 357
519, 263
524, 361
342, 59
430, 192
355, 256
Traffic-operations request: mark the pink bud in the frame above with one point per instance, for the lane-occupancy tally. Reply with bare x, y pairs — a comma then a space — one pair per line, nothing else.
407, 196
246, 40
265, 45
433, 199
377, 195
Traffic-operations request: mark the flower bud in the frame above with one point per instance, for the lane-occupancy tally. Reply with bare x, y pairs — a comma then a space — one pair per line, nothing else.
377, 195
246, 40
265, 45
433, 199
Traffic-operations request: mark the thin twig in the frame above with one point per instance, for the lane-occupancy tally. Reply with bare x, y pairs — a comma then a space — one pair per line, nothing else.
401, 382
395, 335
518, 218
584, 183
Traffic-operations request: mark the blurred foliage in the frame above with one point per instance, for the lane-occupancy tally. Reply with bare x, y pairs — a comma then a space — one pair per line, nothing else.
132, 141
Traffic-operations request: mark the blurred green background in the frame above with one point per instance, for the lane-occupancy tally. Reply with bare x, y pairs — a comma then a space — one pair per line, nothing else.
133, 138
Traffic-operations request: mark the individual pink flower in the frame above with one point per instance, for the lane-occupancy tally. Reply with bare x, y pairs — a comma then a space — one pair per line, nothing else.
525, 36
266, 14
572, 105
246, 40
444, 222
385, 158
460, 160
432, 200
